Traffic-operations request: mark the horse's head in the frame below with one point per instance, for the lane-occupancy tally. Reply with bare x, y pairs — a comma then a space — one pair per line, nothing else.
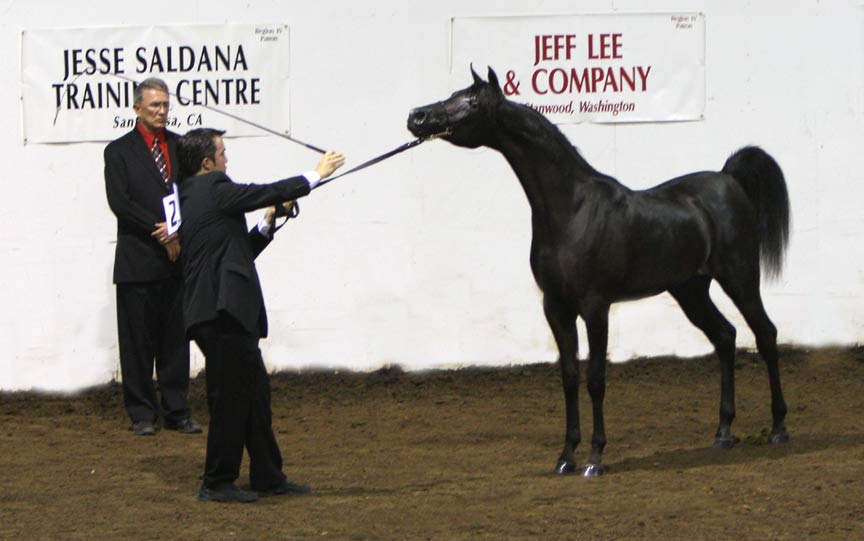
465, 118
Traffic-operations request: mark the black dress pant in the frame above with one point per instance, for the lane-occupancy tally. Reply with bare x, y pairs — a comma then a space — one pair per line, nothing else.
150, 330
238, 396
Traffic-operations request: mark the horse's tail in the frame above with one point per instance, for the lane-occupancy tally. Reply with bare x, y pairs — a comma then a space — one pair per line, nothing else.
763, 181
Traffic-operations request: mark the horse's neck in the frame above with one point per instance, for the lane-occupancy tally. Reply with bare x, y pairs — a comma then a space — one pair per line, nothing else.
548, 167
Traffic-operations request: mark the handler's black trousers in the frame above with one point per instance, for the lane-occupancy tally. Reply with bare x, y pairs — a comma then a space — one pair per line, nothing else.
150, 330
238, 396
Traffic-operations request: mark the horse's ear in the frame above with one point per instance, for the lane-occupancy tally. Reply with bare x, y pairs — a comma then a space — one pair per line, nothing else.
493, 79
477, 79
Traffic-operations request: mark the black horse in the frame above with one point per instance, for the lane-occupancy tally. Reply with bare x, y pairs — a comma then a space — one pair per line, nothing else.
596, 242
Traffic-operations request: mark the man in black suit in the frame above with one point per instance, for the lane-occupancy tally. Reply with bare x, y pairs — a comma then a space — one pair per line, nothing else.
140, 169
224, 311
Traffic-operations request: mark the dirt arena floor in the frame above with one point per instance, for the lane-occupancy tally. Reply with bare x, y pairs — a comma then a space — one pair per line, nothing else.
462, 454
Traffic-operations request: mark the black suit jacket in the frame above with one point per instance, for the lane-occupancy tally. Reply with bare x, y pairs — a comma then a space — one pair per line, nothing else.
218, 254
135, 190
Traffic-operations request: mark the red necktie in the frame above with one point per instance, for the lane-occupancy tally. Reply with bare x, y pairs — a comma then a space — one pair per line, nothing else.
159, 158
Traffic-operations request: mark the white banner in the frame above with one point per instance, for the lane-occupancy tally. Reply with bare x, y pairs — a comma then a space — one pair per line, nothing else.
78, 83
599, 68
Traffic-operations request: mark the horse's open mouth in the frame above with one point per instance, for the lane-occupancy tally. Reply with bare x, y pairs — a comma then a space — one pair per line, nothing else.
448, 131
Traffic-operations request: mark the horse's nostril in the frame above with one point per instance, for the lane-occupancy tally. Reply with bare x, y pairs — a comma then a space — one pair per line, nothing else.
418, 117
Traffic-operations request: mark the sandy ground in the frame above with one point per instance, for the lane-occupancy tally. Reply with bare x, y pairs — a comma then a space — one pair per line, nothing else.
462, 454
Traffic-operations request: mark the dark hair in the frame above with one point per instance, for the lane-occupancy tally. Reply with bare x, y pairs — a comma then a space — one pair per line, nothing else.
193, 147
152, 83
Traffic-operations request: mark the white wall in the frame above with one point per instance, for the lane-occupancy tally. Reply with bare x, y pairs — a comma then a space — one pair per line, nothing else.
422, 261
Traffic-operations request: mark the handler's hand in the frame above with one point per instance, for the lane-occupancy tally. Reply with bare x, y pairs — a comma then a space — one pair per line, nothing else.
330, 162
173, 248
161, 234
270, 215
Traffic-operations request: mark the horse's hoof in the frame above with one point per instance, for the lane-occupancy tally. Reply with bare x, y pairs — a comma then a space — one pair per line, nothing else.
725, 442
593, 470
780, 438
564, 467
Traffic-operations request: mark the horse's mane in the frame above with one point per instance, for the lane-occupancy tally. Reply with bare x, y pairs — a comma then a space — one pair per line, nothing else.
530, 125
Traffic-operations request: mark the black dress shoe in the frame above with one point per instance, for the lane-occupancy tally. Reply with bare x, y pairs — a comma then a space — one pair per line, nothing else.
226, 493
287, 487
184, 426
143, 428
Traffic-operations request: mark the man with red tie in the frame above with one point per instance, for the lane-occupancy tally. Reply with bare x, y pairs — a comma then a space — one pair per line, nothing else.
140, 169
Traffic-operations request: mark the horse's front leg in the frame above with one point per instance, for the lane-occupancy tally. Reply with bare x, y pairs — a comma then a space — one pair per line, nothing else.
562, 322
597, 323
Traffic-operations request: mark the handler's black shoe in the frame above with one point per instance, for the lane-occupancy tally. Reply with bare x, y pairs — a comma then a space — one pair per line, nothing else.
184, 426
143, 428
226, 493
287, 487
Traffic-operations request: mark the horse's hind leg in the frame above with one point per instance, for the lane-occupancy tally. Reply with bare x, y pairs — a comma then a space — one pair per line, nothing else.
562, 322
694, 299
745, 294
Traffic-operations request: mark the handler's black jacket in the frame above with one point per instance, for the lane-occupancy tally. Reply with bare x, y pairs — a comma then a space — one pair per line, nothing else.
218, 252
